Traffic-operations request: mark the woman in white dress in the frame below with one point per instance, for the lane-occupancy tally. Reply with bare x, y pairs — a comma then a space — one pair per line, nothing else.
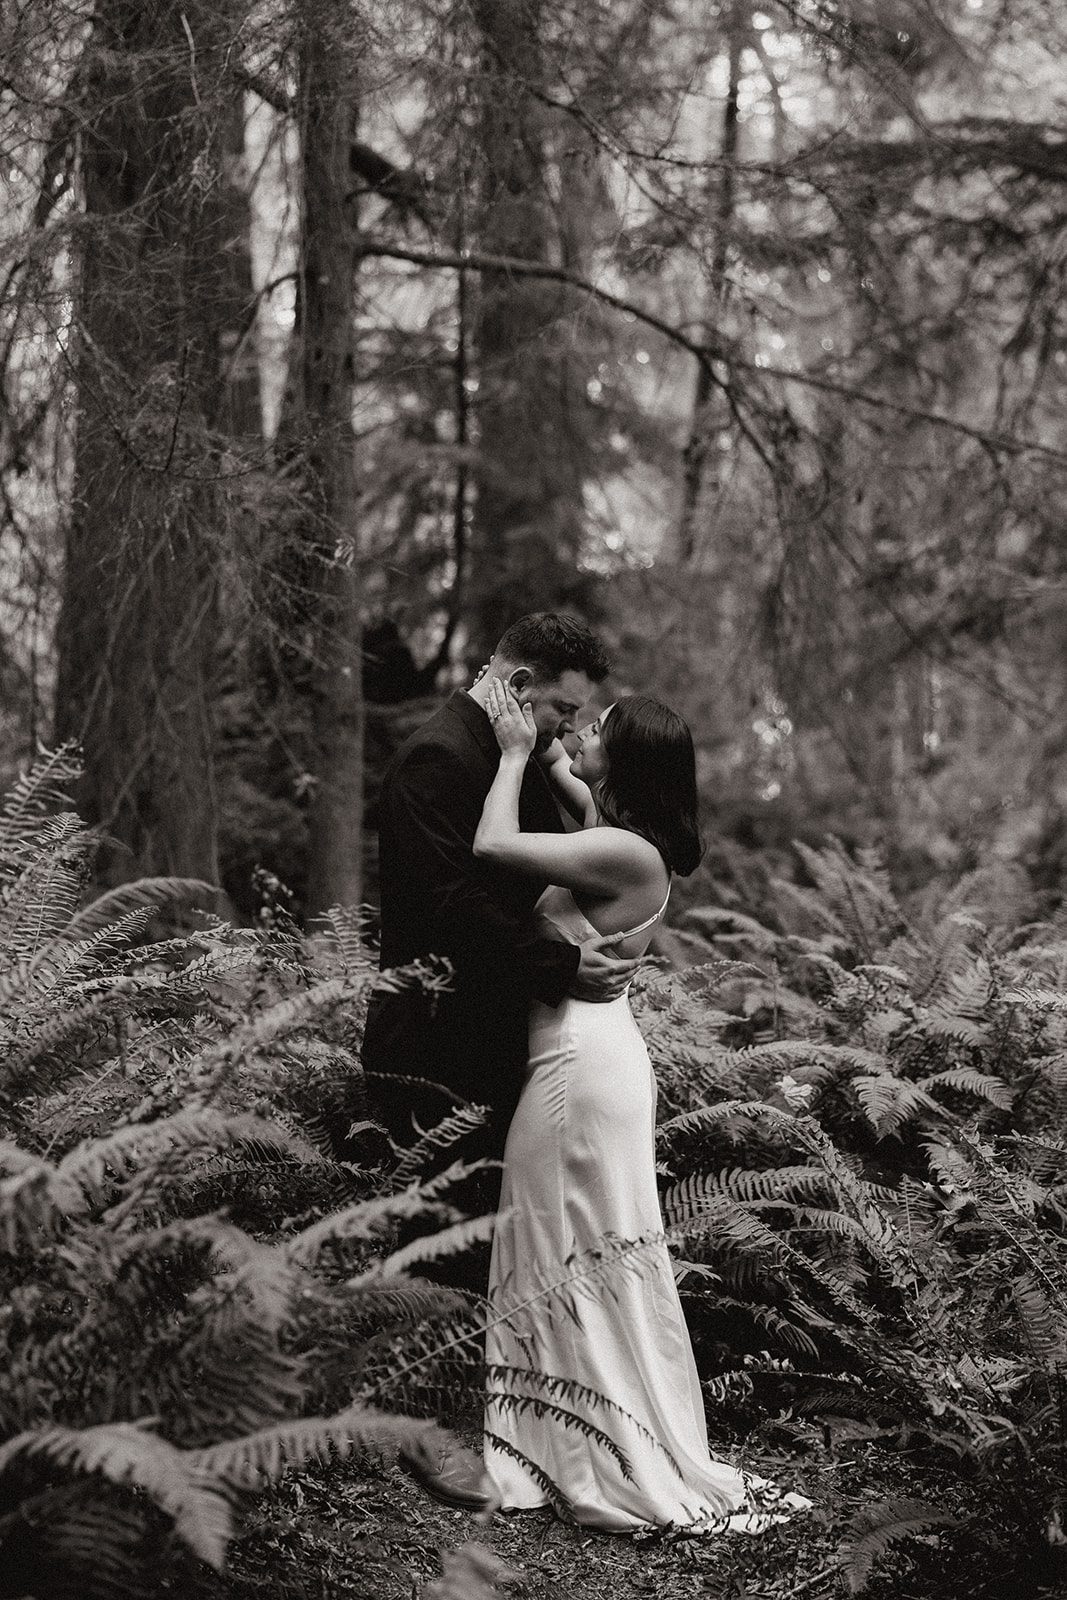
612, 1349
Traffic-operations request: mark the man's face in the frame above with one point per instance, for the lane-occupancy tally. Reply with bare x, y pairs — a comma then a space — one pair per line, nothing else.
555, 704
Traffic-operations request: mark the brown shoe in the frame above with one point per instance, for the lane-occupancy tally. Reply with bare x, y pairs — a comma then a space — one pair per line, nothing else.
453, 1475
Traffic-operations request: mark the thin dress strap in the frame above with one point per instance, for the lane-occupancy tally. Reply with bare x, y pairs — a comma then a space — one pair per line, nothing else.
628, 933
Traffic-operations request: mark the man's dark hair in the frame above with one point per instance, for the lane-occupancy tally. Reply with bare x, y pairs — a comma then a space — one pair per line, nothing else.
551, 644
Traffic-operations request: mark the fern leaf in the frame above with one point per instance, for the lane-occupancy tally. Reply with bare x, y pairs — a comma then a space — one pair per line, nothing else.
950, 1025
447, 1132
982, 1084
40, 902
787, 1184
413, 1300
470, 1573
792, 1327
365, 1219
432, 1247
137, 1145
144, 894
220, 1061
58, 965
262, 1455
1037, 999
47, 1056
43, 789
1042, 1323
569, 1389
34, 1199
549, 1488
878, 1526
721, 922
125, 1453
889, 1102
707, 1117
348, 927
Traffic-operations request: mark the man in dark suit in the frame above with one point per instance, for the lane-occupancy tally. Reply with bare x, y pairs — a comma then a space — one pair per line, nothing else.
438, 900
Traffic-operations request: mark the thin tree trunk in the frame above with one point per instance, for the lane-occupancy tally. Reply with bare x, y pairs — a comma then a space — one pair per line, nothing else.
705, 421
327, 283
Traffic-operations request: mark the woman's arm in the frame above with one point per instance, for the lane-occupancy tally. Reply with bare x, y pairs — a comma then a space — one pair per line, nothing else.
575, 795
595, 860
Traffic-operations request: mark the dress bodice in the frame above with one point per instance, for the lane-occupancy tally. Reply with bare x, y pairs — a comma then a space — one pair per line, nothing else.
558, 910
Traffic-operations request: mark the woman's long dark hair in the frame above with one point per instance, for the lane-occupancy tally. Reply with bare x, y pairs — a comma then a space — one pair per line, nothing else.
651, 781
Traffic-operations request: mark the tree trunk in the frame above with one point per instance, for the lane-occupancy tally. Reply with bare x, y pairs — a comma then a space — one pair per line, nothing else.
327, 371
707, 407
528, 515
137, 632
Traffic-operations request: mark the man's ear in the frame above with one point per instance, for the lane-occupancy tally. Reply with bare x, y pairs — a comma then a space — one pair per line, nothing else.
519, 680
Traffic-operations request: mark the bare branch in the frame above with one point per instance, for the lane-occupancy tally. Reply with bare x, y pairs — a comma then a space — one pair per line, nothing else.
707, 354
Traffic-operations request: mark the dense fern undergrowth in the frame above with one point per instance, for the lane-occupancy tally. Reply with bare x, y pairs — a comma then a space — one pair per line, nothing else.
862, 1140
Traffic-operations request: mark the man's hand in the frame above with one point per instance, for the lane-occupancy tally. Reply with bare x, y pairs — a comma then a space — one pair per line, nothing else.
601, 977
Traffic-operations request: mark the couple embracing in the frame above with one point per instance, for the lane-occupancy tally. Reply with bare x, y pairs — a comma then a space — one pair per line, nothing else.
544, 926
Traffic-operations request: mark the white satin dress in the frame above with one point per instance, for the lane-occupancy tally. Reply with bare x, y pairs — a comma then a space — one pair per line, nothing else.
579, 1177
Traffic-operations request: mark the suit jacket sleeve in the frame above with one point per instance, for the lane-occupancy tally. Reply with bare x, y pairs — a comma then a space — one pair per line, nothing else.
435, 811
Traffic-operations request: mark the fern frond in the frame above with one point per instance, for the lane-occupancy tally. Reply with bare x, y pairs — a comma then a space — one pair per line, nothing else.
64, 971
449, 1241
187, 1132
470, 1573
792, 1327
705, 1118
40, 902
1053, 1069
878, 1526
982, 1084
125, 1453
822, 1220
537, 1406
445, 1133
348, 927
262, 1455
364, 1219
727, 924
1043, 1324
950, 1026
34, 794
394, 1301
787, 1184
145, 894
34, 1200
1051, 1150
1037, 999
45, 1058
99, 1545
888, 1102
854, 897
549, 1488
570, 1390
220, 1060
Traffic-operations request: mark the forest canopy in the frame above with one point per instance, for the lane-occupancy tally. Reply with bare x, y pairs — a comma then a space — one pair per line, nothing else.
335, 335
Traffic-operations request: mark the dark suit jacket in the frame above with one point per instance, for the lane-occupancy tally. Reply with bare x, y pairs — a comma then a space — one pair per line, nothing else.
438, 899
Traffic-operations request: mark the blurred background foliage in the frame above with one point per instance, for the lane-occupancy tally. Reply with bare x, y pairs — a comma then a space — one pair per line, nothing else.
334, 336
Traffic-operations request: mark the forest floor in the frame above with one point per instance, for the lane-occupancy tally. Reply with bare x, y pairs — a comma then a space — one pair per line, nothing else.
363, 1534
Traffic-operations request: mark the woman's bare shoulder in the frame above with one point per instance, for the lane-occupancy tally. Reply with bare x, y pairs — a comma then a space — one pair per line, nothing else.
631, 849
